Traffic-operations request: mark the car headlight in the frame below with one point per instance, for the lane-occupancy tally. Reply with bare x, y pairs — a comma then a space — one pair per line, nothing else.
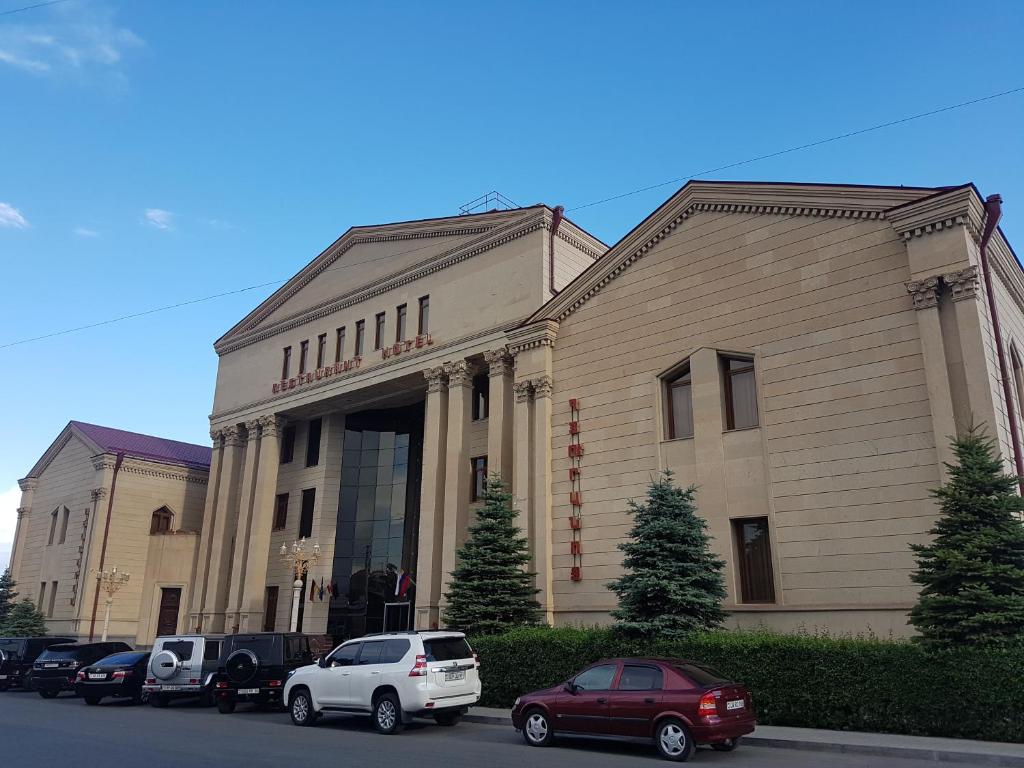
516, 705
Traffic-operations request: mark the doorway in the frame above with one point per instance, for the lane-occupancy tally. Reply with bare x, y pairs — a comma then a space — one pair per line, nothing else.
167, 619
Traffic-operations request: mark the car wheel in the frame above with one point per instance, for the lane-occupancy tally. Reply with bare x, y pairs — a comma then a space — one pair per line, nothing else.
448, 719
674, 741
537, 729
142, 697
302, 709
92, 701
726, 746
4, 686
158, 700
387, 714
225, 706
27, 683
48, 694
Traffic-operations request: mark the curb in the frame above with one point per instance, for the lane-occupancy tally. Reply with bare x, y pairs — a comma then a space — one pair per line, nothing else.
914, 753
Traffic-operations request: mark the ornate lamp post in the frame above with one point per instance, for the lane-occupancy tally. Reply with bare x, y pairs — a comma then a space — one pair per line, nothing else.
299, 561
110, 581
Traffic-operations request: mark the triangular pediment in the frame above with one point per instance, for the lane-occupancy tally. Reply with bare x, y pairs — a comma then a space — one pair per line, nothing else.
69, 433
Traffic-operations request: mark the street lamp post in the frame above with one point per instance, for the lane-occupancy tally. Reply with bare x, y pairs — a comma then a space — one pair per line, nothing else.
299, 562
110, 581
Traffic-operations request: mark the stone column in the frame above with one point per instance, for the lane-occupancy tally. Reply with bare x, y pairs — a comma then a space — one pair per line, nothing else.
541, 466
521, 469
239, 547
431, 523
195, 614
217, 562
499, 418
255, 581
925, 294
28, 487
456, 472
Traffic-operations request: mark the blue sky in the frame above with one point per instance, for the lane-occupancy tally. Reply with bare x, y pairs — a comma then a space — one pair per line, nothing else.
153, 152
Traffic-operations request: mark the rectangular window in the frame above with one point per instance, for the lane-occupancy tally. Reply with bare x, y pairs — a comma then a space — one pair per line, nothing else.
53, 599
313, 442
754, 560
740, 393
281, 512
64, 526
303, 355
680, 405
339, 344
53, 528
306, 518
400, 314
479, 469
378, 334
481, 396
288, 444
360, 337
286, 362
270, 609
321, 349
424, 318
42, 595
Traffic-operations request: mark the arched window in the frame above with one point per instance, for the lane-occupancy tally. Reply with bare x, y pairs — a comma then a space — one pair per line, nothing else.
679, 403
161, 521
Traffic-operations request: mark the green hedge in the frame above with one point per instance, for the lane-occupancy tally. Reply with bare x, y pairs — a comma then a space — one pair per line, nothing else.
796, 680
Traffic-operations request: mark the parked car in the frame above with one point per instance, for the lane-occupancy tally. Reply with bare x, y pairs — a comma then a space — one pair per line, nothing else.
17, 655
181, 666
254, 667
57, 667
677, 704
119, 675
393, 677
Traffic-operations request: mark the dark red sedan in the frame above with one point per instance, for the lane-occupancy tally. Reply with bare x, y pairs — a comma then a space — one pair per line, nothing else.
677, 704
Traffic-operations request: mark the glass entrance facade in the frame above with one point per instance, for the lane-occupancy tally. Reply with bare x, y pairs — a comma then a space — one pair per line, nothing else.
378, 520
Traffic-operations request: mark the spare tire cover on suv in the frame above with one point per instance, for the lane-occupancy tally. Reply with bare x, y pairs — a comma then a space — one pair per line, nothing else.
242, 665
165, 664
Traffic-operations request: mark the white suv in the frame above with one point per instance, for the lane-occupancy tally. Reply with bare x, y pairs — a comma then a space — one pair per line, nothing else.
392, 676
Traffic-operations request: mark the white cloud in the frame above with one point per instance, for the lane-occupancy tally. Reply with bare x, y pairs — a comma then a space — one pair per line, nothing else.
12, 217
226, 226
159, 218
30, 65
84, 232
9, 501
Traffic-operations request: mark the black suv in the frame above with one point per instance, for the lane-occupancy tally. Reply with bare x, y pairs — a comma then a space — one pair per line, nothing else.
17, 655
255, 667
56, 668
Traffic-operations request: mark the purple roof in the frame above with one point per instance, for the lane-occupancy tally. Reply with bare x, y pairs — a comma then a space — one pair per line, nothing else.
146, 446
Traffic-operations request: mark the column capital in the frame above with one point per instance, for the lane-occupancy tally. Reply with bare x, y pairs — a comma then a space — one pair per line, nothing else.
523, 391
22, 511
963, 284
435, 379
542, 387
252, 427
458, 374
215, 435
28, 483
499, 362
925, 292
271, 425
233, 436
98, 493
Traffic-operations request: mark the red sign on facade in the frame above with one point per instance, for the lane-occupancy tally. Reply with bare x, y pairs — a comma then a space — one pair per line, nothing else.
336, 369
423, 340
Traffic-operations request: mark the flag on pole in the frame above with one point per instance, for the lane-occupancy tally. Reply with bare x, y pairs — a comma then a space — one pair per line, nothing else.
402, 584
312, 589
330, 591
320, 591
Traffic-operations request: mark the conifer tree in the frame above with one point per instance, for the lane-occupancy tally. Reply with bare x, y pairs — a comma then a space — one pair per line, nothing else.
673, 582
24, 621
490, 590
972, 573
7, 594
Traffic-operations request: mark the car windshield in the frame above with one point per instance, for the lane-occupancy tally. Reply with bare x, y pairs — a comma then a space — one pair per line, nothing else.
119, 659
263, 647
447, 649
53, 654
10, 646
701, 675
180, 648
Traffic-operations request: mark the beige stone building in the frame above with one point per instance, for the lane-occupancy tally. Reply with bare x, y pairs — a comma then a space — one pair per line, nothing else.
799, 352
99, 499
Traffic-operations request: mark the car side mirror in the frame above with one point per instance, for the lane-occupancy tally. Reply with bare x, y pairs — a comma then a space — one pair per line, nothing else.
570, 687
322, 662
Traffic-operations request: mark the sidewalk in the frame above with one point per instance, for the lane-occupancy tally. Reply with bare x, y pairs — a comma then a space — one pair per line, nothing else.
884, 744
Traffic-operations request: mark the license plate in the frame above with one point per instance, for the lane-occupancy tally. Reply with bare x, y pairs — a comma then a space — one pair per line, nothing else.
244, 691
97, 676
458, 675
50, 666
3, 677
172, 687
738, 704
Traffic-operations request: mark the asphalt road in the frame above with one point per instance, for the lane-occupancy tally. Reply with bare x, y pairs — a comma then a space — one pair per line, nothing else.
66, 732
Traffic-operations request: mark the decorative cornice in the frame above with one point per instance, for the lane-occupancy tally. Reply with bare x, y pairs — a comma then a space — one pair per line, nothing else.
102, 461
499, 362
253, 332
1007, 268
271, 425
542, 387
960, 207
98, 493
963, 284
458, 374
165, 471
435, 379
594, 249
925, 292
523, 391
28, 483
537, 334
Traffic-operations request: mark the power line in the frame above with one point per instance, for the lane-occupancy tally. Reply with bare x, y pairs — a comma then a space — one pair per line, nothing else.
736, 164
809, 145
30, 7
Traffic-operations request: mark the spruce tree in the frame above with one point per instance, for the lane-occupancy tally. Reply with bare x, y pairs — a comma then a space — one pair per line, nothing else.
24, 621
7, 594
972, 573
490, 589
672, 583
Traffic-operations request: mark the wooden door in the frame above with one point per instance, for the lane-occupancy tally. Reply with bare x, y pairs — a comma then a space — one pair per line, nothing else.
167, 621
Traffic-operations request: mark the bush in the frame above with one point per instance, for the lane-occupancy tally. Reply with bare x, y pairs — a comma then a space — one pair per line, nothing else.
796, 680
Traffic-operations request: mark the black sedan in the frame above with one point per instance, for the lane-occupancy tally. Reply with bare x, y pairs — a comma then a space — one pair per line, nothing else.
120, 675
